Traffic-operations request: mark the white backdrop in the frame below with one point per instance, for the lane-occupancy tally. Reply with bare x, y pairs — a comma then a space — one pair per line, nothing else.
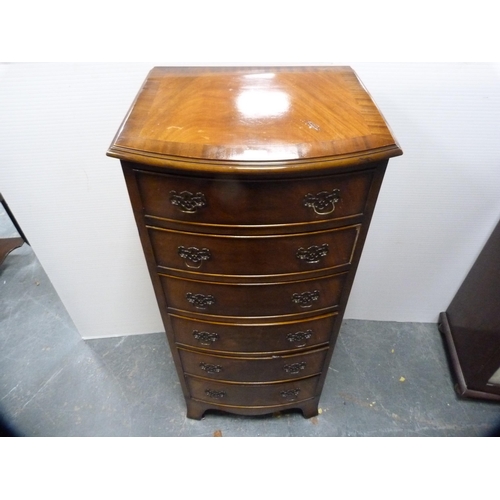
438, 204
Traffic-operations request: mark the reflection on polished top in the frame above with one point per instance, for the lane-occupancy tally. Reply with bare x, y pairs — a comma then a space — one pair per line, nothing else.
253, 117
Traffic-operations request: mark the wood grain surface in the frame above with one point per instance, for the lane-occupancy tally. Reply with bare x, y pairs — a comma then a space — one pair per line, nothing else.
251, 115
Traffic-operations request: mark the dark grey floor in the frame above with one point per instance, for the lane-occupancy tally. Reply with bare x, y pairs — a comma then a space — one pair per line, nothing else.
385, 379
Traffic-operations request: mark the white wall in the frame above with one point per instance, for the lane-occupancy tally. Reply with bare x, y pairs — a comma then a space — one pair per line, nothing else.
441, 200
437, 207
57, 121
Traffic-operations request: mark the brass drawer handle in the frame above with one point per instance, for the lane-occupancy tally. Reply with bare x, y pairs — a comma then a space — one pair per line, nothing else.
294, 368
215, 394
313, 254
299, 338
305, 299
205, 338
194, 257
323, 203
199, 300
290, 394
206, 367
188, 202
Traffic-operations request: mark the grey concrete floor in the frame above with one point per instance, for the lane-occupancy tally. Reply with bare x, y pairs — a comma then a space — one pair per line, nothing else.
385, 378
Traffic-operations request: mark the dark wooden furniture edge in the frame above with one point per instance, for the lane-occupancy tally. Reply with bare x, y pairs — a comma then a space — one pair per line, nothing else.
196, 409
13, 219
7, 245
264, 168
461, 387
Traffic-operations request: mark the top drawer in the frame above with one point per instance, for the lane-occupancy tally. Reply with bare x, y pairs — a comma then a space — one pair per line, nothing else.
254, 203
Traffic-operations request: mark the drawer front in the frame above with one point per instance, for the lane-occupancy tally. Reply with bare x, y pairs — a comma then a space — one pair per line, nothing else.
284, 367
254, 256
252, 394
236, 202
269, 299
252, 338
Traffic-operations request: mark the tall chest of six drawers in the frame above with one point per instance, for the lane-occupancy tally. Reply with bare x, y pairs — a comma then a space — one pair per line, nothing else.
253, 190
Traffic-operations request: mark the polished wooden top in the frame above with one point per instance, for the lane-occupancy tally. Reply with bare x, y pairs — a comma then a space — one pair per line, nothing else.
253, 119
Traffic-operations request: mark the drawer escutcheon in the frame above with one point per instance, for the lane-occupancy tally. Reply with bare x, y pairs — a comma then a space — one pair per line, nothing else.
323, 203
290, 394
305, 299
294, 368
199, 300
206, 367
194, 257
188, 202
215, 394
299, 338
205, 338
313, 254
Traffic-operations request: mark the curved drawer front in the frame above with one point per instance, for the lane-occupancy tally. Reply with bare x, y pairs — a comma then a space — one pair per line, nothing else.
214, 392
264, 369
254, 256
249, 300
252, 338
236, 202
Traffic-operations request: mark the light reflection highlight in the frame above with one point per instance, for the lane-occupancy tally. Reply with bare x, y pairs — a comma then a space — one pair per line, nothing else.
258, 76
260, 103
268, 154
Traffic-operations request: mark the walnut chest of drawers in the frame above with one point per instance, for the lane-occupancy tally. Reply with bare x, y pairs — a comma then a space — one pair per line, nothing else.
253, 190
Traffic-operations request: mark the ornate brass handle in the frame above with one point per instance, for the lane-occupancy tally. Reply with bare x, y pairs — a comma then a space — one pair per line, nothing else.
205, 338
215, 394
199, 300
194, 257
299, 338
305, 299
294, 368
323, 203
206, 367
313, 254
290, 394
188, 202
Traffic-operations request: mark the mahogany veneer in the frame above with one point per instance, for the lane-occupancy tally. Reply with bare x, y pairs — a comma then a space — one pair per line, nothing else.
253, 190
